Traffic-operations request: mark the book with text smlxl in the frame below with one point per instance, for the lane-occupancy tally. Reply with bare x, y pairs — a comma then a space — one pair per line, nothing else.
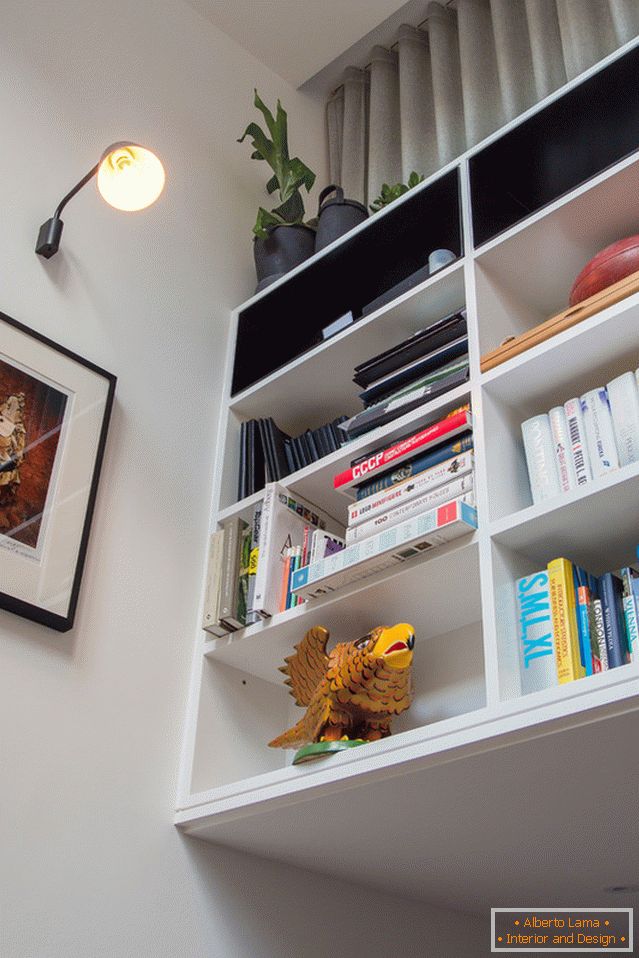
437, 432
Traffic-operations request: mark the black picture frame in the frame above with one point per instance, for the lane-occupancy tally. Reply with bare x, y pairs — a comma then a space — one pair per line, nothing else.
19, 605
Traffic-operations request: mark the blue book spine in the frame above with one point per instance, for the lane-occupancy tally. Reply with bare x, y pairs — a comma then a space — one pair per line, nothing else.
630, 608
536, 641
610, 590
581, 579
413, 466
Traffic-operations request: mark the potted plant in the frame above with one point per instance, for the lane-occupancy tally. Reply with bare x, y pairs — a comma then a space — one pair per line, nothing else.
390, 193
282, 239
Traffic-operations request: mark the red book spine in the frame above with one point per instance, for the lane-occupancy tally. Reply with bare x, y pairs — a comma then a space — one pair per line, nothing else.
402, 450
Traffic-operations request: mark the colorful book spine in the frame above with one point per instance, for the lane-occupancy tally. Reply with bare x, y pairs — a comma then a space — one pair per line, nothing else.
462, 487
286, 578
374, 505
243, 573
561, 446
611, 592
578, 445
630, 580
323, 543
419, 442
598, 630
564, 620
600, 434
624, 406
537, 661
540, 458
415, 466
405, 541
583, 628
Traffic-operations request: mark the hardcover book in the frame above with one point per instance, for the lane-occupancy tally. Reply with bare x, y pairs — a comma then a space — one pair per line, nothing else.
561, 444
415, 466
414, 371
540, 458
611, 592
537, 660
564, 620
624, 406
578, 445
600, 434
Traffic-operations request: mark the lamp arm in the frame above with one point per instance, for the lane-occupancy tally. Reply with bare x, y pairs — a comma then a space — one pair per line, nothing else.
76, 189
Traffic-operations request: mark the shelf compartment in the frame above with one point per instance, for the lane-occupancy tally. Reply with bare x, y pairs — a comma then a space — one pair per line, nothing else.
288, 320
579, 359
445, 582
302, 395
315, 482
597, 525
526, 277
548, 154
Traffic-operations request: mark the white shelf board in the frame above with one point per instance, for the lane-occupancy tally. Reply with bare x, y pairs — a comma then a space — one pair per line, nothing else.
597, 524
322, 377
539, 259
586, 356
437, 593
315, 482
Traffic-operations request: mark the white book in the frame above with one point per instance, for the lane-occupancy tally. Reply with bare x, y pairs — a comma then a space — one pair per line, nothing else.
211, 611
563, 452
624, 406
319, 541
600, 434
410, 488
284, 516
540, 458
462, 487
362, 559
578, 444
537, 655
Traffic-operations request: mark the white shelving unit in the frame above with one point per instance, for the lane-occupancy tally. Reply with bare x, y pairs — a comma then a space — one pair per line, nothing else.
460, 598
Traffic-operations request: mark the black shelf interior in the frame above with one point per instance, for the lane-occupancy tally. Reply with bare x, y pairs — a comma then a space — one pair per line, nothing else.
573, 139
288, 321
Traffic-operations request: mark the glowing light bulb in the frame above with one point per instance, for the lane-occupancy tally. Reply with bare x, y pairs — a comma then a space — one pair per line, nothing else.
130, 177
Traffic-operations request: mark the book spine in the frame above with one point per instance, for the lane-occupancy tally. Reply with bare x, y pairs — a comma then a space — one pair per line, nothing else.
564, 620
420, 441
286, 572
611, 600
374, 505
462, 487
583, 627
305, 544
630, 610
405, 541
251, 616
243, 572
261, 577
578, 446
415, 466
561, 444
537, 662
540, 458
600, 634
210, 613
228, 599
624, 406
600, 435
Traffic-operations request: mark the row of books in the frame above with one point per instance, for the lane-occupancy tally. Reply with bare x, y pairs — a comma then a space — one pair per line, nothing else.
572, 624
588, 437
428, 364
267, 454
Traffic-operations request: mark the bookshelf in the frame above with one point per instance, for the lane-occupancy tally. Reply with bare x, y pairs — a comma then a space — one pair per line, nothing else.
460, 597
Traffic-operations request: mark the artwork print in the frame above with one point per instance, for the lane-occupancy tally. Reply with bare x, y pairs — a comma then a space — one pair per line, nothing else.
33, 412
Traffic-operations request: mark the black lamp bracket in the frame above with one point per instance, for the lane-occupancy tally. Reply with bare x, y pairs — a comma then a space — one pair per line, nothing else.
50, 232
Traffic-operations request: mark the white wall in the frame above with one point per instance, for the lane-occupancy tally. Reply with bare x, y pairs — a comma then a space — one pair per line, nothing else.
91, 721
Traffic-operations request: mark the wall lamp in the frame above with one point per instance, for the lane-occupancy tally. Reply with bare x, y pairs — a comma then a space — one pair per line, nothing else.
129, 178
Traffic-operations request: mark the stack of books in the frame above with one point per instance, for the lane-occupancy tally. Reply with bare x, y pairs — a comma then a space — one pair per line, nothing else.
418, 369
588, 437
425, 499
267, 454
250, 563
572, 624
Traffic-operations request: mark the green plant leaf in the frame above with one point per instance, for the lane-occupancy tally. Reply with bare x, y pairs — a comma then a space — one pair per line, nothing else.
272, 185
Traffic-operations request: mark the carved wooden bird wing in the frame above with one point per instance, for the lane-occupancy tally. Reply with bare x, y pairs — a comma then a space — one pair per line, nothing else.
306, 668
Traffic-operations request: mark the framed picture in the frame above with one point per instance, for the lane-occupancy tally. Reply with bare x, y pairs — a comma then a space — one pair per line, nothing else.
54, 415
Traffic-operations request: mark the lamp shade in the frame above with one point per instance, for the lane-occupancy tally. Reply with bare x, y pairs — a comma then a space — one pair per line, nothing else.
130, 177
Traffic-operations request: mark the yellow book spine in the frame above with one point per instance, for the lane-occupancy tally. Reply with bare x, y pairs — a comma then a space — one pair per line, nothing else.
564, 620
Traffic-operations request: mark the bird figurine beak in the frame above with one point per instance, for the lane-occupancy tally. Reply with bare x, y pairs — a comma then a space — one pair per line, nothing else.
396, 645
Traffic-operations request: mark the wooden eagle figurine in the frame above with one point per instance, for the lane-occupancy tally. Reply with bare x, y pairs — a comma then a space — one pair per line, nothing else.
352, 692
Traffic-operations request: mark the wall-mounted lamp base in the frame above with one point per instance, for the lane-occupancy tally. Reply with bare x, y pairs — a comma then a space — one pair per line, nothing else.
49, 237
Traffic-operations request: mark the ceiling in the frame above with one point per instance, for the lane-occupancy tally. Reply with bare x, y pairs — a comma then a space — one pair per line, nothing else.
297, 38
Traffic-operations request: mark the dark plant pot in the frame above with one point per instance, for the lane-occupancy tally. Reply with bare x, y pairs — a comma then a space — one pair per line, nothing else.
336, 216
284, 248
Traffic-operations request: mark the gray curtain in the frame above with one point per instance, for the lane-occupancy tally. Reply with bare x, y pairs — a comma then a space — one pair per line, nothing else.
470, 67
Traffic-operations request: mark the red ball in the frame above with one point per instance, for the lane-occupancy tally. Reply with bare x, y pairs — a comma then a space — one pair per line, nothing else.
613, 263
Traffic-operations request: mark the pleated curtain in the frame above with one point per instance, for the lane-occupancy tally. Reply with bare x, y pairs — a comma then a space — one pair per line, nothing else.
470, 67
